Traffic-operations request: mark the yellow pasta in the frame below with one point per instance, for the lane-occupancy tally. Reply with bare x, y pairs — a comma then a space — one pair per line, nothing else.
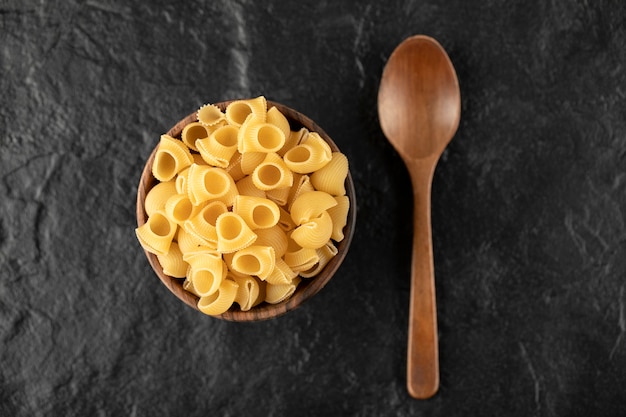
339, 216
272, 173
325, 254
314, 233
172, 156
180, 209
299, 258
301, 184
257, 136
331, 177
281, 274
218, 149
187, 242
203, 226
206, 273
251, 160
158, 196
234, 167
245, 186
275, 294
233, 234
293, 139
310, 205
210, 115
273, 236
278, 195
309, 156
285, 222
238, 111
249, 292
157, 233
275, 117
192, 132
172, 262
258, 213
206, 183
221, 300
255, 260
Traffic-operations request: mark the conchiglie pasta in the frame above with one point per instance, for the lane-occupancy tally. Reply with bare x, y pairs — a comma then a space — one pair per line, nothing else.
180, 209
331, 178
293, 139
255, 260
309, 156
339, 216
157, 233
233, 234
256, 136
234, 167
172, 156
281, 274
157, 197
275, 117
258, 213
249, 292
325, 254
273, 236
272, 173
299, 258
314, 233
172, 262
310, 205
192, 132
275, 294
218, 149
210, 115
301, 184
206, 273
246, 186
206, 183
278, 195
238, 111
203, 226
251, 160
220, 301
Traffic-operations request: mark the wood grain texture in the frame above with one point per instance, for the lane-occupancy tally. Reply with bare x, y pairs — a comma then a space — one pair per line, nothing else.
309, 287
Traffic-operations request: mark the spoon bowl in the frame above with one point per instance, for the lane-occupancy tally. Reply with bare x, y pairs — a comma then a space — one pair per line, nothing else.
419, 108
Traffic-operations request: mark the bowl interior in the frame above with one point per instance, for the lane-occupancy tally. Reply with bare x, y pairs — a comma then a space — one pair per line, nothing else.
308, 287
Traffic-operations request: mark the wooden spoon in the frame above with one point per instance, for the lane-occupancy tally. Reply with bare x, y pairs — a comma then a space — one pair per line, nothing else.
419, 107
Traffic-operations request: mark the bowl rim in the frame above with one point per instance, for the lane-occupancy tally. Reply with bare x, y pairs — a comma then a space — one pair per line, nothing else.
309, 286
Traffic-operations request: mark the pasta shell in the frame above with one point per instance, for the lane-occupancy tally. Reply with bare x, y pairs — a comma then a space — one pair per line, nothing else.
181, 181
273, 236
172, 156
248, 292
310, 205
251, 160
180, 209
309, 156
299, 258
274, 294
187, 242
325, 254
258, 213
255, 260
172, 262
220, 301
278, 195
207, 273
238, 111
210, 115
275, 117
272, 173
314, 233
156, 234
245, 186
339, 216
285, 222
233, 234
301, 184
218, 149
293, 140
206, 183
158, 196
203, 226
331, 177
256, 136
281, 274
192, 132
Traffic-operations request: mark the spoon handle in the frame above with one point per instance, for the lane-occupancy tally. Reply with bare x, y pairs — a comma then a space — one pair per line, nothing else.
422, 354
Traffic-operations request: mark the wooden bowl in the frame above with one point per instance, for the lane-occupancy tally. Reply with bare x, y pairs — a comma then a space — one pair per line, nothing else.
308, 287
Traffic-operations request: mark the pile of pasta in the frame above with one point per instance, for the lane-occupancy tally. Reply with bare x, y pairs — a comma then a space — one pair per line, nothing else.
244, 208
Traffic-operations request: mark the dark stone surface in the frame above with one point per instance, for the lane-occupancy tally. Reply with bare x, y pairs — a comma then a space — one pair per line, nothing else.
529, 206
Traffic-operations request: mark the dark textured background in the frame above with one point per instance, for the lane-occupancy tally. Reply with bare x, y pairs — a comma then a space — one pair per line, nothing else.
529, 206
